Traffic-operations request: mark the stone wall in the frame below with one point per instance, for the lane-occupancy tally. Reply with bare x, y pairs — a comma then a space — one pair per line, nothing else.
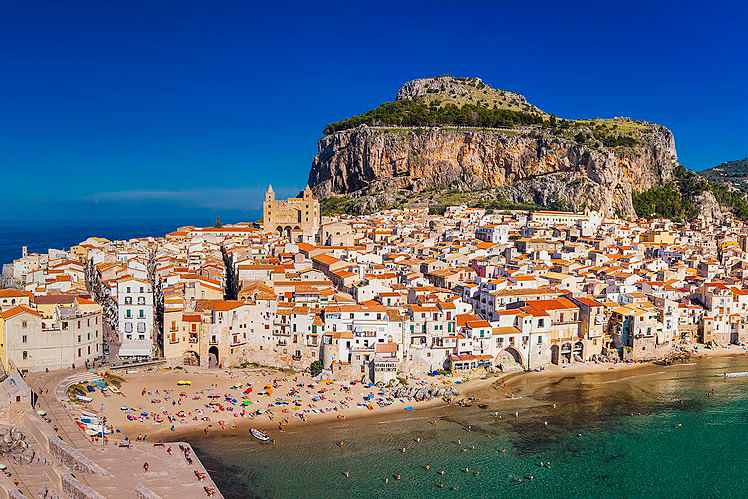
73, 459
142, 492
76, 490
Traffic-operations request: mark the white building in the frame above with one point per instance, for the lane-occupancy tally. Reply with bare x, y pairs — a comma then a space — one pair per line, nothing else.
135, 317
492, 233
62, 337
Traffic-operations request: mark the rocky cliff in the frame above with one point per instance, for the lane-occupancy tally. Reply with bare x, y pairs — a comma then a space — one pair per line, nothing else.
572, 164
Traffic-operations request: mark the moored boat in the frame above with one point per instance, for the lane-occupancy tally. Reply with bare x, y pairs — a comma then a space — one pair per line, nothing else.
259, 435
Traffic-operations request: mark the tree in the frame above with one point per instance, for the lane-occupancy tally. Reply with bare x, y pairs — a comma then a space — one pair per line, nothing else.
218, 223
316, 367
553, 121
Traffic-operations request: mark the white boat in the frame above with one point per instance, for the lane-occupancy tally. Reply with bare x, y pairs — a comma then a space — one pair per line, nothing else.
83, 398
114, 389
89, 414
94, 429
259, 435
734, 375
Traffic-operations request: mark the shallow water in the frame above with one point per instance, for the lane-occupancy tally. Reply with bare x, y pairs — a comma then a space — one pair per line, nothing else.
638, 433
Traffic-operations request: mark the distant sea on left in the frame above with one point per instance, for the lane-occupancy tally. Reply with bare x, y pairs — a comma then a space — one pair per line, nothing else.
41, 235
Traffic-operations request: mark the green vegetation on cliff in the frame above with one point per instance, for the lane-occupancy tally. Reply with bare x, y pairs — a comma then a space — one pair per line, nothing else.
677, 199
734, 173
334, 206
417, 113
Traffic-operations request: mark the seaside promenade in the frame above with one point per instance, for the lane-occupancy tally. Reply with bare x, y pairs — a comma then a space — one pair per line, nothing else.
85, 469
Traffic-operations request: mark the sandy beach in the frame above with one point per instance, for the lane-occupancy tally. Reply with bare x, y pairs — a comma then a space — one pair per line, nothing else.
226, 401
230, 401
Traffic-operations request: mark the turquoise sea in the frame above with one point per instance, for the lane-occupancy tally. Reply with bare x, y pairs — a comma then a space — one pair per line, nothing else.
648, 432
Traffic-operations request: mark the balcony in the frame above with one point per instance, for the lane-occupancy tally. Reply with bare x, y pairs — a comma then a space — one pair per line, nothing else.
282, 343
296, 357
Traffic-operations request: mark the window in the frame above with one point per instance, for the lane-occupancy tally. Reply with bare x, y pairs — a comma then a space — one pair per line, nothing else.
540, 339
79, 353
128, 313
23, 339
128, 300
24, 325
64, 325
25, 355
141, 314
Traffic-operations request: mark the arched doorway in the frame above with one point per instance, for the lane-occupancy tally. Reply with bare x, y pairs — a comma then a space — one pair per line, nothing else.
213, 356
191, 358
509, 359
279, 230
578, 350
555, 354
566, 353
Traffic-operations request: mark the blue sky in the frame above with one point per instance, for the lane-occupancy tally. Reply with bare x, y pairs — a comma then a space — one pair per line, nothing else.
148, 108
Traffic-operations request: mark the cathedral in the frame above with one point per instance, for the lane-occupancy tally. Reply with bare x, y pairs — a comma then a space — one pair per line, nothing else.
293, 214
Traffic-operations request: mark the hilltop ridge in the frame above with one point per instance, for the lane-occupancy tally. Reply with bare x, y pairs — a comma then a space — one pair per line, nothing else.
734, 173
447, 139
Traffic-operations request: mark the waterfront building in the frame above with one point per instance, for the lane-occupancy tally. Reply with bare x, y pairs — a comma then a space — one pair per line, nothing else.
56, 333
135, 319
399, 292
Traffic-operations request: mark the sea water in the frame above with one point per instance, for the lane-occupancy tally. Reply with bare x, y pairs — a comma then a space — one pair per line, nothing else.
40, 235
648, 432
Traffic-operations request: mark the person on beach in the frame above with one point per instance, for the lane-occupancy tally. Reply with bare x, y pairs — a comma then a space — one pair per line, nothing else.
145, 466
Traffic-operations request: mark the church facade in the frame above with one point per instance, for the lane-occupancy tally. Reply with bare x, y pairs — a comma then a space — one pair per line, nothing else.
293, 214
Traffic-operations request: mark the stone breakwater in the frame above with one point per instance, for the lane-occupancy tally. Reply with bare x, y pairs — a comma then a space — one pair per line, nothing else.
421, 393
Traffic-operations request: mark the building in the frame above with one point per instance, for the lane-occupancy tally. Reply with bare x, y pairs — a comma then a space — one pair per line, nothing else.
56, 337
135, 317
293, 214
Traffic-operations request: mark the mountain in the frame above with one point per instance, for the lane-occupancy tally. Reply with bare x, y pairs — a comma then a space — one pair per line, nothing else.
734, 173
448, 140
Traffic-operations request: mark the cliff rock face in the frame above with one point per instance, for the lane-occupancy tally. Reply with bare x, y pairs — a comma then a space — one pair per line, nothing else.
532, 168
381, 166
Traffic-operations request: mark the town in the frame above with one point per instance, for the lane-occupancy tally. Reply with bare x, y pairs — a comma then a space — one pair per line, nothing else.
398, 293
